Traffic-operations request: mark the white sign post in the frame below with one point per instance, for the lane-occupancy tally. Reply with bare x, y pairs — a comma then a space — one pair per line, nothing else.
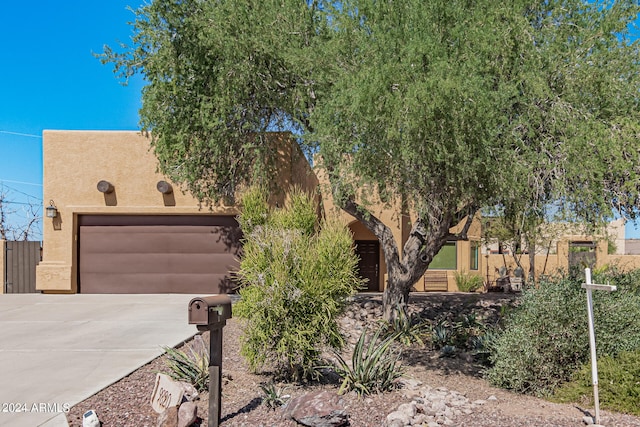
592, 336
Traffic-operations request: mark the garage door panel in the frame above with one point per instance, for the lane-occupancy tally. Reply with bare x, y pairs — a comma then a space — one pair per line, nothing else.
158, 254
158, 263
124, 240
118, 283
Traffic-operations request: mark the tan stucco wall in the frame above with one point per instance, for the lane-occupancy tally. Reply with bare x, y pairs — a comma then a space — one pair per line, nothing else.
559, 261
74, 163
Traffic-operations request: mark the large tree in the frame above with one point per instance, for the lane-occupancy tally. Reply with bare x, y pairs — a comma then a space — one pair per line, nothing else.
441, 107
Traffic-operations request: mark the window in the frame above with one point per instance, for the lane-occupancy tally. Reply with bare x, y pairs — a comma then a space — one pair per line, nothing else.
447, 258
474, 256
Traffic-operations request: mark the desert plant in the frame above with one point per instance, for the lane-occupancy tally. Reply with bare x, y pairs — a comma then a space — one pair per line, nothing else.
407, 330
273, 397
190, 365
468, 282
619, 384
448, 351
295, 279
441, 334
545, 339
374, 367
482, 345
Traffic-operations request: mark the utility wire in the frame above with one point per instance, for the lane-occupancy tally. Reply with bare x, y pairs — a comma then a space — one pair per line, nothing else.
20, 134
20, 182
18, 191
18, 203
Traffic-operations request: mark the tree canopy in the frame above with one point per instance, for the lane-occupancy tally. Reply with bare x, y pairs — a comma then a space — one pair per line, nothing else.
448, 106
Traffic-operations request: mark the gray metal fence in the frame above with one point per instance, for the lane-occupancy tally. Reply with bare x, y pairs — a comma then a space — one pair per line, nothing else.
21, 259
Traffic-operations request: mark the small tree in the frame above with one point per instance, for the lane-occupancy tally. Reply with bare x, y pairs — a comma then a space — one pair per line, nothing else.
441, 107
18, 224
296, 275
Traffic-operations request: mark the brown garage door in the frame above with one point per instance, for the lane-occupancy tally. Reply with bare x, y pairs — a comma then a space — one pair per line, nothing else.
158, 254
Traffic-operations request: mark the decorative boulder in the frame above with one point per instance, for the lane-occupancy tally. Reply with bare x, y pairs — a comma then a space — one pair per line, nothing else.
318, 409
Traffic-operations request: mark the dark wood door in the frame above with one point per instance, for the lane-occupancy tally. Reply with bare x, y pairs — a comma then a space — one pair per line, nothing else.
369, 265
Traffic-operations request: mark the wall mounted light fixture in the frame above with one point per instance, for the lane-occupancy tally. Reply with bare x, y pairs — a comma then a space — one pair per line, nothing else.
52, 210
105, 187
164, 187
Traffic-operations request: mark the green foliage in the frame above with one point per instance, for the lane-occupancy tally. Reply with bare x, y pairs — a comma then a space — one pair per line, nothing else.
462, 333
407, 330
374, 365
442, 334
273, 397
468, 282
618, 384
190, 365
545, 339
255, 209
448, 106
295, 282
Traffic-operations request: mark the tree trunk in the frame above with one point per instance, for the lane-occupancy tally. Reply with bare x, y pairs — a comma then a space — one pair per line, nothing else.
424, 242
394, 299
532, 263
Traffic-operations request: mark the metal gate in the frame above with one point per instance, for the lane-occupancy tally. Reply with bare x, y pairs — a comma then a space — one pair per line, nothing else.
20, 266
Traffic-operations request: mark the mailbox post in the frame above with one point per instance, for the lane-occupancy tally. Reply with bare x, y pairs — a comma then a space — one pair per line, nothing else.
210, 314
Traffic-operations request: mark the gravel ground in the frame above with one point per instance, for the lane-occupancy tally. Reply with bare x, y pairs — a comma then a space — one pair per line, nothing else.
126, 403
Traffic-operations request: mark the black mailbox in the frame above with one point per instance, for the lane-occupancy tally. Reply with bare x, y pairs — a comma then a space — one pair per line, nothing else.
210, 310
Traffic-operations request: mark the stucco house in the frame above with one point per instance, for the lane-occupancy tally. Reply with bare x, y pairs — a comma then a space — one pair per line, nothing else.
119, 226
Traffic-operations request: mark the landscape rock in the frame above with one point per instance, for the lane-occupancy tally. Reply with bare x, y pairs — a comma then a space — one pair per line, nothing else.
169, 417
431, 406
318, 409
187, 414
190, 392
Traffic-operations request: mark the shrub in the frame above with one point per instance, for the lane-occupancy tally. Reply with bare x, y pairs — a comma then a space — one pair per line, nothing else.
545, 339
295, 279
190, 365
468, 282
374, 365
618, 384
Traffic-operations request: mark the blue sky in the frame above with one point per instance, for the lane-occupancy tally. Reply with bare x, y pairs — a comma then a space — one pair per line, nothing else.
49, 79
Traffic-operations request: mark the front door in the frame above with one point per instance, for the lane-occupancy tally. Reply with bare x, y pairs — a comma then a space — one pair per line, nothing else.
369, 264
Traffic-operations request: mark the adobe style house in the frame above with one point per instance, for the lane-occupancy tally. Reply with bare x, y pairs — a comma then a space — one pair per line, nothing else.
122, 227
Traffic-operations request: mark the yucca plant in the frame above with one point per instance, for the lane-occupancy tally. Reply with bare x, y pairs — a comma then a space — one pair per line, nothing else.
374, 365
191, 365
273, 397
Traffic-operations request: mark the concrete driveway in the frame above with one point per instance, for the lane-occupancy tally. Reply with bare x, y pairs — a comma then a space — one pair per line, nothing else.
57, 350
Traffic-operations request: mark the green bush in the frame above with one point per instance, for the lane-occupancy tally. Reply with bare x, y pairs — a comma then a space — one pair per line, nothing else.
618, 384
374, 365
296, 277
468, 282
546, 340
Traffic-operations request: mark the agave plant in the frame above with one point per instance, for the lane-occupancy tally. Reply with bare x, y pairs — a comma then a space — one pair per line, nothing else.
441, 335
374, 365
191, 365
273, 397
